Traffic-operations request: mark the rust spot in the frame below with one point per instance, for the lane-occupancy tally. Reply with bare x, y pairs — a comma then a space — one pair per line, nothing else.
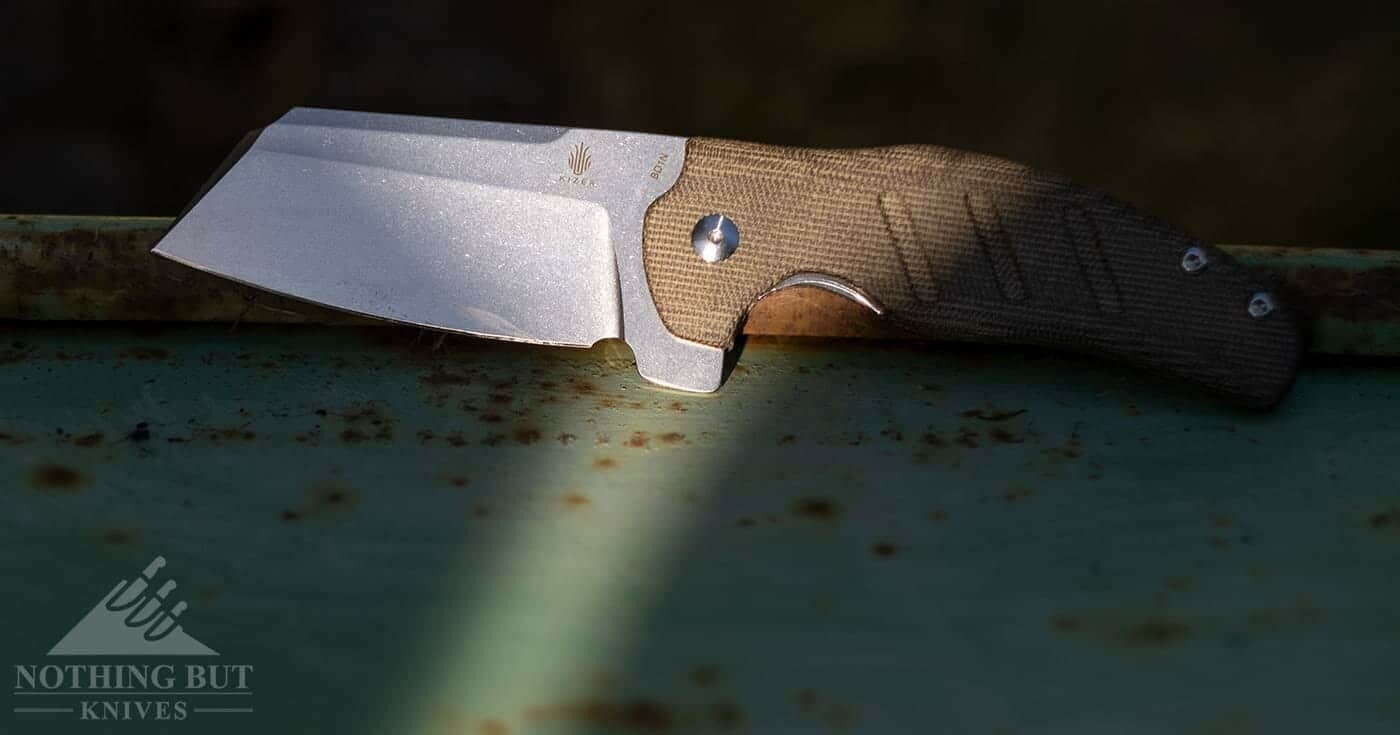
1386, 520
1072, 449
142, 352
228, 434
937, 516
884, 549
705, 676
604, 463
439, 377
88, 440
493, 727
457, 481
839, 716
642, 715
565, 438
57, 478
353, 436
500, 399
576, 500
1001, 435
480, 511
824, 509
490, 418
638, 440
992, 414
934, 440
455, 439
525, 435
366, 423
787, 439
967, 438
12, 439
672, 438
1221, 521
1013, 496
16, 353
493, 440
808, 700
1150, 632
678, 406
308, 437
726, 715
582, 387
120, 536
335, 496
1155, 632
745, 522
323, 501
141, 433
892, 433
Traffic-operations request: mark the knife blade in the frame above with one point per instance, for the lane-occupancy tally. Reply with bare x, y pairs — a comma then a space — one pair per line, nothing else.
563, 236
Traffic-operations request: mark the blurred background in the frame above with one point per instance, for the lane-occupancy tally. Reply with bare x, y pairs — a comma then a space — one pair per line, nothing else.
1262, 126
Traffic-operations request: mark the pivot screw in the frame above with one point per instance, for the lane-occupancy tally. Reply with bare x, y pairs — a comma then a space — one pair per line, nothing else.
1194, 260
715, 238
1261, 305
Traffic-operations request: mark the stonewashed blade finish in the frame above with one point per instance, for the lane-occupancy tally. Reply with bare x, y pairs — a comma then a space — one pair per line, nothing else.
515, 232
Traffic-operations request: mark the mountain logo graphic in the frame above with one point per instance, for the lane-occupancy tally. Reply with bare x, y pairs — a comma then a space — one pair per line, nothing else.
133, 620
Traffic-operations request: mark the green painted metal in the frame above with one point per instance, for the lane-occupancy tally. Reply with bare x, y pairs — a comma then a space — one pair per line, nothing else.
850, 536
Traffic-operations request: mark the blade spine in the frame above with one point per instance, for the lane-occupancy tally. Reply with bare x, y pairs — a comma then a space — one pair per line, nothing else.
535, 126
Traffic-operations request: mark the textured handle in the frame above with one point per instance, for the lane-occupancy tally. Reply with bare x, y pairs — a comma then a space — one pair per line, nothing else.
956, 245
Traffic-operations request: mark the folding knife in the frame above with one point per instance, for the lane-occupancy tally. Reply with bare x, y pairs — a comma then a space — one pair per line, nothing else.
565, 236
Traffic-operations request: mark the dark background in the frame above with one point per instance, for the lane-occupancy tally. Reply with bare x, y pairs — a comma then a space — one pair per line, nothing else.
1242, 125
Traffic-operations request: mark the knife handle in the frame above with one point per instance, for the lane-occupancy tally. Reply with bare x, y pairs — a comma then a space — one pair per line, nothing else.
961, 246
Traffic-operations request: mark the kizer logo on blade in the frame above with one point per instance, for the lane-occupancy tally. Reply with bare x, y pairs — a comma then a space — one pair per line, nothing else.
579, 160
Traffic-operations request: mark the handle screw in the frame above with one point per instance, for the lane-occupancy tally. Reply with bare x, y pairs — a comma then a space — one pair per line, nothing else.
715, 238
1194, 260
1261, 305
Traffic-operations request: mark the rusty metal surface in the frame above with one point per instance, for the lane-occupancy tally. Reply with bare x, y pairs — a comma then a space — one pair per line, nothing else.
852, 537
99, 268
